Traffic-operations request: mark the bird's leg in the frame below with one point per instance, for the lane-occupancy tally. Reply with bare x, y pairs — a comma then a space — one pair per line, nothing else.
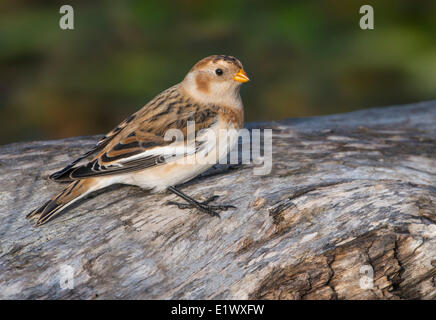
202, 206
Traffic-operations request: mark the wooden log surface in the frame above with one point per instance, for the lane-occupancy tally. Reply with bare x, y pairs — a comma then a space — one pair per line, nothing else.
347, 212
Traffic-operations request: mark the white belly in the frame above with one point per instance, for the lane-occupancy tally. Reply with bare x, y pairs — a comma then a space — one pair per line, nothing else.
160, 177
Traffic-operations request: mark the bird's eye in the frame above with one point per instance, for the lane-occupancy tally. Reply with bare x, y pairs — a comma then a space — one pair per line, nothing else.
219, 72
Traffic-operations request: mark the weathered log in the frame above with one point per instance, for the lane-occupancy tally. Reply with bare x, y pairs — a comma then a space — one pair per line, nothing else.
348, 212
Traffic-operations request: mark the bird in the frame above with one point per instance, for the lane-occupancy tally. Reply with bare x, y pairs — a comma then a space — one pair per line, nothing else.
136, 152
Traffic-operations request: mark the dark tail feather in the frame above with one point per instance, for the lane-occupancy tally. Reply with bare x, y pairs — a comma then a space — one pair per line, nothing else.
62, 175
75, 191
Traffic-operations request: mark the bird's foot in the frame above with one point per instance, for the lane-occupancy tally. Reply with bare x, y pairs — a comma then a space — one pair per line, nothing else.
203, 206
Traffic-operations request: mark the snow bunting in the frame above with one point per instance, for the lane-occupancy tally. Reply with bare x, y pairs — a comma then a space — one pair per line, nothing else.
136, 151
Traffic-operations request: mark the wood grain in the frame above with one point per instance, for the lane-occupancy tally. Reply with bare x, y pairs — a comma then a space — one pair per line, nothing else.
346, 192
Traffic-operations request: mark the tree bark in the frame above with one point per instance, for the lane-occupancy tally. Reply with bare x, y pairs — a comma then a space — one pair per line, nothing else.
347, 212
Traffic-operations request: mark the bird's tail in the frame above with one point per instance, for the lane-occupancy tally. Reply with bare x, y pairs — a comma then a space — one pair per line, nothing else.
75, 191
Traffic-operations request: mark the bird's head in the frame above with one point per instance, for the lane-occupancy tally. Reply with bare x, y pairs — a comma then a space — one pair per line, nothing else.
216, 79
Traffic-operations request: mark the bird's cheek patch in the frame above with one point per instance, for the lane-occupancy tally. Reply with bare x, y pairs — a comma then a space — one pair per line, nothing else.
202, 83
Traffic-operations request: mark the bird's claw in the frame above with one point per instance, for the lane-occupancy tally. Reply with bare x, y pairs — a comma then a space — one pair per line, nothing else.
204, 206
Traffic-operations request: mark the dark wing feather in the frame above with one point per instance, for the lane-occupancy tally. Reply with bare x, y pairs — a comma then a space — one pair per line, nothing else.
115, 160
63, 175
93, 169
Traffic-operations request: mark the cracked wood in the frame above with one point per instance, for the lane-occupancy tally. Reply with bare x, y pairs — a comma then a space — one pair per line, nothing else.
346, 191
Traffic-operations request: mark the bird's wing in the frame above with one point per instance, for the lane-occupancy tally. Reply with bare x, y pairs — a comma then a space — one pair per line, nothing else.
140, 143
63, 175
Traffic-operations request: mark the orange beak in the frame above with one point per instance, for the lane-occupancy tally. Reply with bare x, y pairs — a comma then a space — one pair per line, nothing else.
241, 76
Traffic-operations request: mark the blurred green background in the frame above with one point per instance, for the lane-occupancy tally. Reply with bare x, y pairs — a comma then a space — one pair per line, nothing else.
304, 57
